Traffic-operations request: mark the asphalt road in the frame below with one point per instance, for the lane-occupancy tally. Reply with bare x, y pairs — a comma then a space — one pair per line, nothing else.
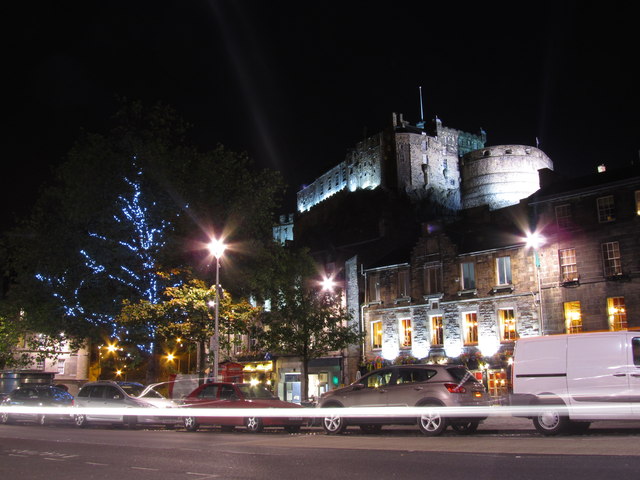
500, 447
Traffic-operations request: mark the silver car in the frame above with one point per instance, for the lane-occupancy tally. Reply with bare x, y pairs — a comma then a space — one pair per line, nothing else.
408, 385
108, 394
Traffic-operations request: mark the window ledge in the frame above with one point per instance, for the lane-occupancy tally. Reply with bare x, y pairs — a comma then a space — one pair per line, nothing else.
503, 289
473, 291
432, 296
402, 299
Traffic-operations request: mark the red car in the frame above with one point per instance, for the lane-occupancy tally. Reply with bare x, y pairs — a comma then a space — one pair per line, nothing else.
238, 395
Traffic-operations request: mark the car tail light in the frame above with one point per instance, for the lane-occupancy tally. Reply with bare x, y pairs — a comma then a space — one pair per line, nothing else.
455, 388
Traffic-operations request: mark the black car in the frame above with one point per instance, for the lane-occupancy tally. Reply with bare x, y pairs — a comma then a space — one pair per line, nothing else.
37, 396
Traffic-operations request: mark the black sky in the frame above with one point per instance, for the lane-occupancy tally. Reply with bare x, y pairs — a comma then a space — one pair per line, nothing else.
296, 84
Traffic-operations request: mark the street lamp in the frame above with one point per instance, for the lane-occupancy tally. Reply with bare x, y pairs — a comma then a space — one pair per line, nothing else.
535, 241
216, 248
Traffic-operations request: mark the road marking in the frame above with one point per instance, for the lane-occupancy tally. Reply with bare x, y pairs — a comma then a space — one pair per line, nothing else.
144, 468
203, 475
97, 464
54, 459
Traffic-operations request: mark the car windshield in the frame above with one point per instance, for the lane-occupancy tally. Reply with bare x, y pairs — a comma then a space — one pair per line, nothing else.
255, 391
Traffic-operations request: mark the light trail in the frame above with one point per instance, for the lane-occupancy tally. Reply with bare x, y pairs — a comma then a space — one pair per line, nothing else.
613, 410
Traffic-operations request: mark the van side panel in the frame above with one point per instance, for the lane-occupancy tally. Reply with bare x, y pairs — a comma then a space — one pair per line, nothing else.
597, 376
540, 367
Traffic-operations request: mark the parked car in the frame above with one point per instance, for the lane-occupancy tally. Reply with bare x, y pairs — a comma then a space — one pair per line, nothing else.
238, 395
37, 396
408, 385
573, 380
110, 394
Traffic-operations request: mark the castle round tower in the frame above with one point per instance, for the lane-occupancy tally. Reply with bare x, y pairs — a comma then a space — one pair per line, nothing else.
501, 175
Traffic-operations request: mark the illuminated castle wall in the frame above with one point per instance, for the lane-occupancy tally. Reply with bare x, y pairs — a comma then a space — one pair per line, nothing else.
445, 167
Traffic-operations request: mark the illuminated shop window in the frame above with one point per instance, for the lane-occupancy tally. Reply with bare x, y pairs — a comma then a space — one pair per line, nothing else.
606, 209
617, 313
376, 334
405, 333
611, 259
568, 266
468, 274
563, 216
573, 317
470, 328
437, 334
507, 318
503, 270
433, 279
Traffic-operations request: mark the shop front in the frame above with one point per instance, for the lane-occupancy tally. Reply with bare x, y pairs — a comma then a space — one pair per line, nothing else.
324, 375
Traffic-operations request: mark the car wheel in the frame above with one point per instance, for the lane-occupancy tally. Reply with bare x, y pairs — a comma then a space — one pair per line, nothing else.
5, 418
465, 428
190, 424
550, 422
253, 424
333, 424
130, 422
292, 428
80, 421
43, 420
371, 428
432, 423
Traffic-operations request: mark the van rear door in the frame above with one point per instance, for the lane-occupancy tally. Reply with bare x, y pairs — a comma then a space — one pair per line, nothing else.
633, 349
597, 376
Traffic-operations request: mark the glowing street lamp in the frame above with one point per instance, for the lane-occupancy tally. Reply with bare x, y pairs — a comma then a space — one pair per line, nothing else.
328, 284
216, 248
534, 241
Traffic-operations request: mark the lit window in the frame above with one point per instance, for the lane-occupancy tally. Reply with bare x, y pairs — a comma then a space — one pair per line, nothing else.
470, 327
376, 334
573, 317
606, 209
503, 267
468, 275
61, 363
617, 313
568, 266
403, 283
507, 319
405, 332
433, 279
563, 216
611, 259
437, 337
637, 202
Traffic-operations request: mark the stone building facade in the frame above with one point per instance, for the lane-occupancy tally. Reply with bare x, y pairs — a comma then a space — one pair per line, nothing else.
471, 288
590, 260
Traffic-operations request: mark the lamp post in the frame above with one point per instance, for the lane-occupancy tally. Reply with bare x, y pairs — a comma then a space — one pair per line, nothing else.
535, 241
217, 248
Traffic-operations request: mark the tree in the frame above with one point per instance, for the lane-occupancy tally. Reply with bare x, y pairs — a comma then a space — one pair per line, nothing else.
303, 320
126, 205
185, 312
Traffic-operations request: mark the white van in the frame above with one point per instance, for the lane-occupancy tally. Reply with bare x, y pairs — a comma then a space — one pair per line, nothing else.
573, 380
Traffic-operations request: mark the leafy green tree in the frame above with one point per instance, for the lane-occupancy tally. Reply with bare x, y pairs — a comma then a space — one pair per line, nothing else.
186, 312
303, 320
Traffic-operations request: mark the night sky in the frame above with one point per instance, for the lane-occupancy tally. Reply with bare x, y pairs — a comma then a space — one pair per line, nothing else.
296, 84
